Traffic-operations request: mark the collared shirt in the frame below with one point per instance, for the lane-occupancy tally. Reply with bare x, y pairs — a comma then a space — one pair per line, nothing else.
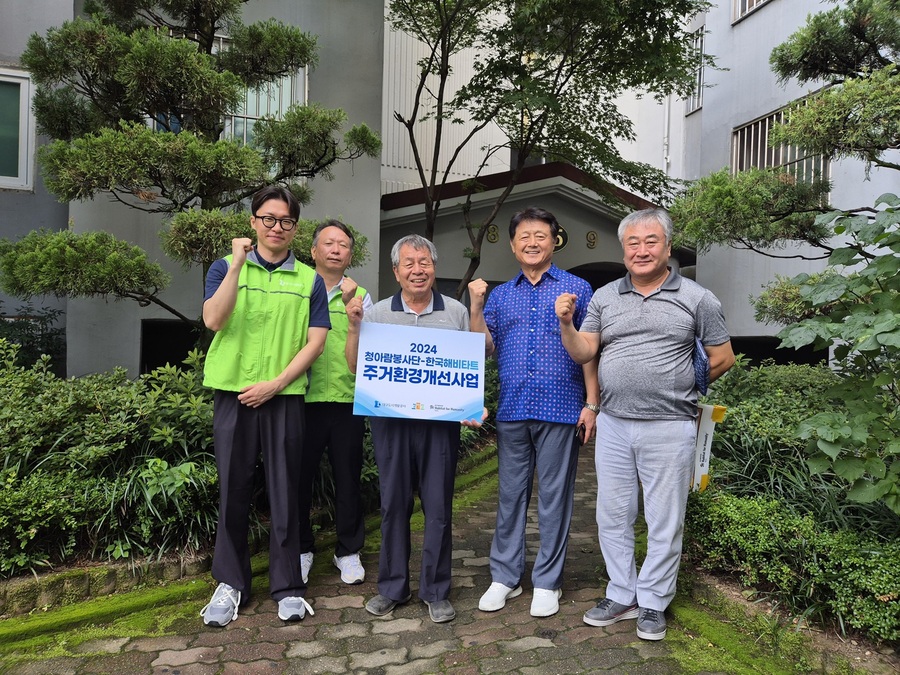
538, 379
442, 312
646, 371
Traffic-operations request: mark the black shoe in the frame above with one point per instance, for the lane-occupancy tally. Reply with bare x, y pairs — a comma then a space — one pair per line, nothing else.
380, 605
441, 611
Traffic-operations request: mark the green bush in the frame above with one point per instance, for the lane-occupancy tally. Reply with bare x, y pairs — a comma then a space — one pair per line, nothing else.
855, 312
44, 518
758, 449
105, 466
839, 577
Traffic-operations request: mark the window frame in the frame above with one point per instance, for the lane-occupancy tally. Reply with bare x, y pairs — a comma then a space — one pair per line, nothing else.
238, 126
751, 147
270, 99
694, 101
27, 135
743, 8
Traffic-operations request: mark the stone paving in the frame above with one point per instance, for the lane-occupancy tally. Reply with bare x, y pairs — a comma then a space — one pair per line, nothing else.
343, 638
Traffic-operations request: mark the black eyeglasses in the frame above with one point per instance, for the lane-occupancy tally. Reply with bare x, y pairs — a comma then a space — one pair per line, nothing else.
287, 224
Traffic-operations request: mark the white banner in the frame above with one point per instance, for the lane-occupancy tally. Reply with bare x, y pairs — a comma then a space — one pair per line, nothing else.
709, 416
419, 373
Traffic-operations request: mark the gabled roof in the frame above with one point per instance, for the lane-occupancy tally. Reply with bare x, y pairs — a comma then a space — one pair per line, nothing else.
530, 175
535, 182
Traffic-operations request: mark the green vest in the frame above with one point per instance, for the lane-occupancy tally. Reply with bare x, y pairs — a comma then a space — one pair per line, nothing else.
266, 329
330, 380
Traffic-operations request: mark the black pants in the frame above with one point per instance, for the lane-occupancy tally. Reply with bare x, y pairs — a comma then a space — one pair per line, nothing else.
410, 454
333, 425
240, 435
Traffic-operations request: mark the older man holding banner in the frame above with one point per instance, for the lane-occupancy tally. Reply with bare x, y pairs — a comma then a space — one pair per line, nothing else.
417, 386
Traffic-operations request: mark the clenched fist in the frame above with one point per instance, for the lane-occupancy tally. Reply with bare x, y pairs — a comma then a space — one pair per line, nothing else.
477, 291
240, 247
354, 309
565, 307
348, 289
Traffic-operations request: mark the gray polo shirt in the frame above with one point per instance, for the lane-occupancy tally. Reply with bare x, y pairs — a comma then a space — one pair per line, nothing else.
442, 312
646, 368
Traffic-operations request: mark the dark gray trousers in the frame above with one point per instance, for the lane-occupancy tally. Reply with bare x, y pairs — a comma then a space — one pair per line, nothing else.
410, 454
240, 435
333, 425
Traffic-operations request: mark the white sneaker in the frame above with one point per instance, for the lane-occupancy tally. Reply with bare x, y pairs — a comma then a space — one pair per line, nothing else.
223, 607
545, 602
351, 568
496, 596
306, 561
293, 608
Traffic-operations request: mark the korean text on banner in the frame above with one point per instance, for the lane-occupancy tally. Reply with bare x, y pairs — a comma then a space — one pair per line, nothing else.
419, 373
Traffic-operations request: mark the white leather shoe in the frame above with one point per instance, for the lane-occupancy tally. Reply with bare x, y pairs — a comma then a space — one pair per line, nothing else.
496, 596
545, 602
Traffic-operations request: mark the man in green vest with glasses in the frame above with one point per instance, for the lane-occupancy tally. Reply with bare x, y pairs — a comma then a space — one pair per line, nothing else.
270, 315
330, 422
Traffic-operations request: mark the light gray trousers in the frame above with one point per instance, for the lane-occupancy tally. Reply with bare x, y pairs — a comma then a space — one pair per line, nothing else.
657, 455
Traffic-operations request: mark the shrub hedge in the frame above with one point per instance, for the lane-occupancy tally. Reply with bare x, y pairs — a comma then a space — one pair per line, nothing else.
103, 466
783, 530
834, 576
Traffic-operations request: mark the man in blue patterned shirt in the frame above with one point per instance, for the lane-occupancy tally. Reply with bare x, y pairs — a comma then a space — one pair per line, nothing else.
545, 400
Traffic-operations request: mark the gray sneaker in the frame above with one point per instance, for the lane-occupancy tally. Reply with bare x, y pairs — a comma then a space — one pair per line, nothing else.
441, 611
223, 606
608, 612
381, 605
293, 608
651, 624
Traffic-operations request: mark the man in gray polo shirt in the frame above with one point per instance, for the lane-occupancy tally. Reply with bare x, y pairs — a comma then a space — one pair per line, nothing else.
646, 324
413, 454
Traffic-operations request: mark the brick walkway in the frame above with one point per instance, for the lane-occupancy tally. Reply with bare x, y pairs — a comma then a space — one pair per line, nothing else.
343, 638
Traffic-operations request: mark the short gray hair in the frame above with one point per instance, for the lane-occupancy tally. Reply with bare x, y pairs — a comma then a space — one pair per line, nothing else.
660, 216
418, 242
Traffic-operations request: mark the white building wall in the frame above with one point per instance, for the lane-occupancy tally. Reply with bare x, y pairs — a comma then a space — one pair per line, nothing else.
348, 76
743, 89
24, 210
104, 334
401, 76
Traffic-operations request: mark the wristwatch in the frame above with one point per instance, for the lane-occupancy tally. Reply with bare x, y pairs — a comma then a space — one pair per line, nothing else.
593, 407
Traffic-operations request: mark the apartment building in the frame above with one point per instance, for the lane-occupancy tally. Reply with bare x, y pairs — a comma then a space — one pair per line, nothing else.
725, 124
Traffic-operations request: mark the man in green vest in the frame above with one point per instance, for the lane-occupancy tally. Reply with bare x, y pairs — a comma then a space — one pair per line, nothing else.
330, 421
270, 314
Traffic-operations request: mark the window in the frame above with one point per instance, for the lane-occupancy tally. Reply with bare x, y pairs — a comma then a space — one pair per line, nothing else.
16, 130
271, 100
750, 149
744, 7
695, 100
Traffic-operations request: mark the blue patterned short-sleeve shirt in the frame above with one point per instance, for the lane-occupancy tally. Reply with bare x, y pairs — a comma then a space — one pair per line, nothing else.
538, 379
